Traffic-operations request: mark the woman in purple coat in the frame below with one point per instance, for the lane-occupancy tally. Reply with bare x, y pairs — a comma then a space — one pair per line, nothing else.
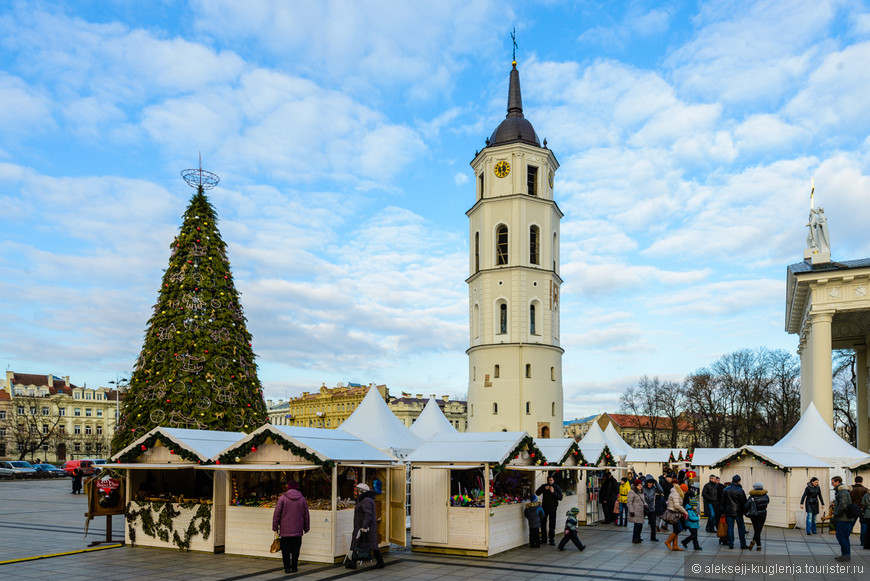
291, 521
365, 526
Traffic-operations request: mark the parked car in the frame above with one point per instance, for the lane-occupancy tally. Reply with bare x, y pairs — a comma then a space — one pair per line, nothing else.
88, 467
99, 464
16, 469
48, 471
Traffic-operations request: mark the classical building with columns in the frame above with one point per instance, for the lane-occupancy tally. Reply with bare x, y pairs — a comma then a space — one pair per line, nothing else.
515, 361
828, 307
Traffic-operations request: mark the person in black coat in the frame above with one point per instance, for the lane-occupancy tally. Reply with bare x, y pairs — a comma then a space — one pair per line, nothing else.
812, 499
550, 495
734, 501
608, 495
77, 481
757, 504
365, 526
710, 495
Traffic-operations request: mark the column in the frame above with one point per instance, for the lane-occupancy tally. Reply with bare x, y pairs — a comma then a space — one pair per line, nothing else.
821, 384
861, 379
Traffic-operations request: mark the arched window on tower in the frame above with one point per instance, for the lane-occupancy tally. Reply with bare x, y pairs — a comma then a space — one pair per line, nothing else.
501, 245
496, 371
476, 251
528, 408
528, 370
532, 319
495, 409
555, 246
534, 245
502, 318
475, 321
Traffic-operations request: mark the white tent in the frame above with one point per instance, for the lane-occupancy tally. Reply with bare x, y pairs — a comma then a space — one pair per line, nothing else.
373, 422
593, 443
813, 435
613, 436
431, 421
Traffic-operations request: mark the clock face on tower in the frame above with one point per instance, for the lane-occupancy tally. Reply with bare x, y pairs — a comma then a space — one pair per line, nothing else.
502, 169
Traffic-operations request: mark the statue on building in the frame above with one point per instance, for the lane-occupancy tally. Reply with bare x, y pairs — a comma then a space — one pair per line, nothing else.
818, 240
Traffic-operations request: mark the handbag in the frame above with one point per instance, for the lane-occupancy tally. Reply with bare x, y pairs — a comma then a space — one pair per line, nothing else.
722, 529
671, 516
276, 545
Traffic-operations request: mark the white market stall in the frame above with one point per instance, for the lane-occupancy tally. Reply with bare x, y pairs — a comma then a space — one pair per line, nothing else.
469, 490
373, 422
431, 421
173, 504
783, 471
328, 464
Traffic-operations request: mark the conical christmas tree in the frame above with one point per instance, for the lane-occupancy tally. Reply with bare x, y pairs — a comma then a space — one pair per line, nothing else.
196, 369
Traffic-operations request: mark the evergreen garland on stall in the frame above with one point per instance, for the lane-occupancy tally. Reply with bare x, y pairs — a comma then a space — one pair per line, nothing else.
163, 527
197, 366
605, 458
575, 451
234, 455
526, 444
738, 455
133, 454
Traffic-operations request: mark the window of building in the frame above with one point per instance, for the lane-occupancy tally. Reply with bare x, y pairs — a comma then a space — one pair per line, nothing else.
88, 447
495, 371
32, 429
77, 412
532, 180
552, 374
77, 429
480, 186
2, 434
2, 414
99, 413
528, 408
88, 430
553, 409
99, 430
61, 411
502, 318
476, 251
98, 447
44, 428
534, 245
33, 410
88, 395
61, 429
528, 370
20, 447
532, 319
495, 408
87, 412
45, 411
21, 410
77, 395
501, 245
77, 447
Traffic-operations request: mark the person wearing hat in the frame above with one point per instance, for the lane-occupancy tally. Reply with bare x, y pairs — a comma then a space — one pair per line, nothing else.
710, 496
571, 530
290, 521
365, 526
636, 508
756, 510
734, 502
535, 515
651, 494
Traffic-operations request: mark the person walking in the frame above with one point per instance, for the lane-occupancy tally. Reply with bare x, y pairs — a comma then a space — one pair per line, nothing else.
609, 493
693, 522
77, 481
675, 505
651, 492
571, 530
636, 508
534, 514
756, 510
734, 500
550, 495
710, 496
812, 498
843, 523
290, 521
365, 526
865, 521
857, 494
624, 487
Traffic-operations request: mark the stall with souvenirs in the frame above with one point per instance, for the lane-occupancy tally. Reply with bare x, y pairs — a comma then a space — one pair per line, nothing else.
171, 502
327, 465
469, 490
568, 467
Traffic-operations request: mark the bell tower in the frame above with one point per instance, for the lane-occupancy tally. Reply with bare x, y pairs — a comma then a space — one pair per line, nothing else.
514, 358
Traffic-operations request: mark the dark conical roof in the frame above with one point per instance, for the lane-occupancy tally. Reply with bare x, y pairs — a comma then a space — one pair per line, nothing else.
515, 127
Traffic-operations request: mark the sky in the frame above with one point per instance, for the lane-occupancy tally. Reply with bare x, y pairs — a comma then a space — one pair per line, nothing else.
342, 131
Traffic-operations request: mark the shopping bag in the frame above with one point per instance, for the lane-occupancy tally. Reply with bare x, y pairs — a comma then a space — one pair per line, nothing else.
276, 545
722, 530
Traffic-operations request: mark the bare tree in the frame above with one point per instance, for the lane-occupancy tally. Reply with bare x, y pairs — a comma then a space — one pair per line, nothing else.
672, 405
707, 408
783, 402
845, 394
30, 425
644, 400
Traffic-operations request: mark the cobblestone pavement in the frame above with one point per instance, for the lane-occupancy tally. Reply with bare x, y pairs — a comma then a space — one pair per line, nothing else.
42, 518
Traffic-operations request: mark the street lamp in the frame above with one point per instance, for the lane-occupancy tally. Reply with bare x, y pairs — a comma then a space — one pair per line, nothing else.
118, 383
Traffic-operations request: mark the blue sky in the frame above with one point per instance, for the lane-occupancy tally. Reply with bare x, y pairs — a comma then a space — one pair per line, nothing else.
342, 131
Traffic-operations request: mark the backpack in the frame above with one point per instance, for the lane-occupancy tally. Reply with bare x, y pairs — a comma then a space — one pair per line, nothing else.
661, 505
853, 511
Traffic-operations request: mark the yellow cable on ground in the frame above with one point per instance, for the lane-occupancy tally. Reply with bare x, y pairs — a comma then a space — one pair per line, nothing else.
60, 554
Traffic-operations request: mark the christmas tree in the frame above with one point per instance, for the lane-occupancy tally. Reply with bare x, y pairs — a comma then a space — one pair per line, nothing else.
196, 369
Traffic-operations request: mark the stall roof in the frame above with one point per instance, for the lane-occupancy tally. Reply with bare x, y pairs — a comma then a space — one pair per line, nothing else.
554, 449
709, 456
336, 445
373, 422
813, 435
595, 440
471, 447
614, 436
206, 444
431, 421
784, 456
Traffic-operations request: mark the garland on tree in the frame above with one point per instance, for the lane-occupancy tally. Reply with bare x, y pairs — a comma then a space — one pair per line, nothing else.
234, 455
575, 451
527, 444
738, 455
197, 366
606, 457
132, 454
163, 528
